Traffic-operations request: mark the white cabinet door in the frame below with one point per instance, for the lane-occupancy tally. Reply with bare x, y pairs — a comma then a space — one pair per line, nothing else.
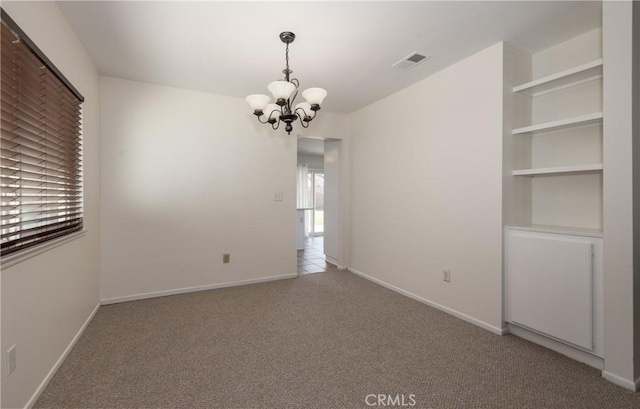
549, 285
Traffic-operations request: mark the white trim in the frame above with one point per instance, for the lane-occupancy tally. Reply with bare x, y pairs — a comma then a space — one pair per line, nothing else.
572, 352
573, 231
590, 68
335, 262
560, 124
559, 170
465, 317
620, 381
574, 84
26, 254
164, 293
60, 360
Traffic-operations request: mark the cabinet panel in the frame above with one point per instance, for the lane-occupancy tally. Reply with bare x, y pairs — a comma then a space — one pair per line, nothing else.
549, 285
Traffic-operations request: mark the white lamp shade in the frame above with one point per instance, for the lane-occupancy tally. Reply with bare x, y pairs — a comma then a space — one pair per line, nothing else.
272, 111
314, 95
258, 101
306, 107
281, 89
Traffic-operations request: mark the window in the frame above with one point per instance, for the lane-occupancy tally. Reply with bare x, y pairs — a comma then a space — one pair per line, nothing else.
318, 204
41, 150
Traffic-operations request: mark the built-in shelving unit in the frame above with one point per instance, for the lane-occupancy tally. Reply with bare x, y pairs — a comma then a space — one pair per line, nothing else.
554, 146
552, 189
581, 74
581, 120
560, 170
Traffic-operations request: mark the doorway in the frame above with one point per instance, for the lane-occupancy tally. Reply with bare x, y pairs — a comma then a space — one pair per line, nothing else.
310, 206
318, 204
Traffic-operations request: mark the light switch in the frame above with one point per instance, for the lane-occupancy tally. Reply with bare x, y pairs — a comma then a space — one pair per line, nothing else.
277, 197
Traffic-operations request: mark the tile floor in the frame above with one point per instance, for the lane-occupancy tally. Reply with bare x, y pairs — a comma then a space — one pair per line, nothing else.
311, 259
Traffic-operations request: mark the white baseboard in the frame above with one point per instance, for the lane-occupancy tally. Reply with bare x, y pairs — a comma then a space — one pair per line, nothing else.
164, 293
334, 262
465, 317
625, 383
562, 348
60, 360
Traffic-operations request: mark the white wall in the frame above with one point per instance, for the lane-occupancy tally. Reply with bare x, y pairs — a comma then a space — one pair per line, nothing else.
315, 162
516, 149
333, 161
434, 201
325, 125
636, 186
46, 299
617, 18
188, 176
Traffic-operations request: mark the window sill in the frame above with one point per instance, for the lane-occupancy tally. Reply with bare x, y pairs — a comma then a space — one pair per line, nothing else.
19, 257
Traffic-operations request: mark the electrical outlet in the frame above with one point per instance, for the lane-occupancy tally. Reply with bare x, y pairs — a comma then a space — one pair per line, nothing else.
446, 275
11, 359
226, 258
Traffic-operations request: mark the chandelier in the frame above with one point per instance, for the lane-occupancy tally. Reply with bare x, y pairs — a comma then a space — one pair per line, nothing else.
285, 92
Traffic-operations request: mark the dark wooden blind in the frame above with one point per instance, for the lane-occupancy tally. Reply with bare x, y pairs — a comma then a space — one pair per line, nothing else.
41, 151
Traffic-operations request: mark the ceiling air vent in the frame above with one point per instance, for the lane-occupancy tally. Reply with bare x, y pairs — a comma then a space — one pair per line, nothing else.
411, 60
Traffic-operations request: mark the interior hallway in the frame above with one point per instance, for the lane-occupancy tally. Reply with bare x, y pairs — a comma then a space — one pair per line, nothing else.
311, 259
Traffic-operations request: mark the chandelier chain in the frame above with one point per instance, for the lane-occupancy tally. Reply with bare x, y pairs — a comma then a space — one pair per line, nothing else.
287, 61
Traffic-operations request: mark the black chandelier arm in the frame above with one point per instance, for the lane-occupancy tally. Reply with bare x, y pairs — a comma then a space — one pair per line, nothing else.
305, 124
301, 113
268, 115
261, 121
295, 82
268, 120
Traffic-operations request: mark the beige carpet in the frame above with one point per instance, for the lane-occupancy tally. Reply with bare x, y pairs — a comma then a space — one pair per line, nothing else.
323, 340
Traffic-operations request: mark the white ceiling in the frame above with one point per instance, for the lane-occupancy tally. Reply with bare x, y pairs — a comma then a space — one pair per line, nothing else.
232, 48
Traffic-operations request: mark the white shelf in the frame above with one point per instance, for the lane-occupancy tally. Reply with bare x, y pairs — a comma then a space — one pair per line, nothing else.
560, 170
581, 74
576, 231
595, 117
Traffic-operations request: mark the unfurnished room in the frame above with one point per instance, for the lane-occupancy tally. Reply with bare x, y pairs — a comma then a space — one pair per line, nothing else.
301, 204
